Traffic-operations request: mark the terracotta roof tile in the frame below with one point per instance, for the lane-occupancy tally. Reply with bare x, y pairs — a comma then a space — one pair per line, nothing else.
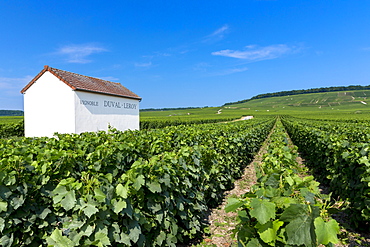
86, 83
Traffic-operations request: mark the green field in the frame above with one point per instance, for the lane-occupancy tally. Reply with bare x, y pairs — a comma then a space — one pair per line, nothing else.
348, 104
10, 119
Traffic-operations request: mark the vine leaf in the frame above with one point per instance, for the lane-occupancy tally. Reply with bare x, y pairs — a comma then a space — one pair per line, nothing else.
262, 210
16, 202
102, 238
139, 181
254, 243
66, 198
135, 231
58, 240
300, 227
268, 231
69, 200
99, 195
90, 210
233, 204
298, 231
294, 211
121, 191
154, 187
2, 224
3, 206
326, 232
119, 206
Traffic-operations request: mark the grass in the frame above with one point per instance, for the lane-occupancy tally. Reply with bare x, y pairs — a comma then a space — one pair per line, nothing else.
10, 119
191, 114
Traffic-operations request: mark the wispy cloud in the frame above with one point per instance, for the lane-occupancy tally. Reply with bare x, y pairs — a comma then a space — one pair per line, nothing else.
157, 54
79, 53
143, 65
162, 54
255, 53
221, 31
231, 71
15, 84
109, 78
218, 34
201, 67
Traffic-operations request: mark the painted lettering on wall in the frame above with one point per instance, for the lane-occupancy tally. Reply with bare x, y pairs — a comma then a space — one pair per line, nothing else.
89, 102
114, 104
109, 103
117, 104
129, 106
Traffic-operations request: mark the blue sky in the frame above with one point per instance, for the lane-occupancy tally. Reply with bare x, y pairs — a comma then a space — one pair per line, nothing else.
187, 53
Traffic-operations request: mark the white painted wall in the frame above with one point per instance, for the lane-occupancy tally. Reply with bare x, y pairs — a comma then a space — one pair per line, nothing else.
49, 107
96, 112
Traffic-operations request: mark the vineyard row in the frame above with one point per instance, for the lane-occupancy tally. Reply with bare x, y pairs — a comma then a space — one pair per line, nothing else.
285, 206
145, 188
154, 187
339, 154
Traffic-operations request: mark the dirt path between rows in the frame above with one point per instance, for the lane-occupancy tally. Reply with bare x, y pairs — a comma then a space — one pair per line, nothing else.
222, 223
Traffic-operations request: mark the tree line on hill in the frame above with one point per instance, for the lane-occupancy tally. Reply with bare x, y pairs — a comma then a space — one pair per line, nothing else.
11, 113
170, 109
303, 91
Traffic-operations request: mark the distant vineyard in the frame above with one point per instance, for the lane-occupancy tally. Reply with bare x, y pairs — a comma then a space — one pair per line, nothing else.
303, 91
155, 124
17, 129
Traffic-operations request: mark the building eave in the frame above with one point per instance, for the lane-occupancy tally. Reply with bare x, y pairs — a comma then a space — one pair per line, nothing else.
111, 94
46, 68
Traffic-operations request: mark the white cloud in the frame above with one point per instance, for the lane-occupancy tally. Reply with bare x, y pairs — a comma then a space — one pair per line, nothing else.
220, 31
232, 71
162, 54
218, 34
201, 67
254, 53
237, 70
109, 78
143, 65
15, 84
79, 53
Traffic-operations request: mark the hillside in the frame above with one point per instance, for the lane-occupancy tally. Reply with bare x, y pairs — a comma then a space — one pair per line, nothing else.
322, 103
356, 102
343, 100
303, 91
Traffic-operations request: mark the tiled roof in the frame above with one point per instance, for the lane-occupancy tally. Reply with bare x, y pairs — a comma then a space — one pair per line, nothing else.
85, 83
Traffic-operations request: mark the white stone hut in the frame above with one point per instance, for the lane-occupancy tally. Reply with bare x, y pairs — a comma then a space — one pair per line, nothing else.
65, 102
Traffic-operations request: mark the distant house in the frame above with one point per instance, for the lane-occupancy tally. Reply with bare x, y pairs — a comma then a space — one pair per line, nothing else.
247, 117
65, 102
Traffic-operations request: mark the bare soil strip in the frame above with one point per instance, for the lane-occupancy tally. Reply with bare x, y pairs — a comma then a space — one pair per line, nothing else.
222, 223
